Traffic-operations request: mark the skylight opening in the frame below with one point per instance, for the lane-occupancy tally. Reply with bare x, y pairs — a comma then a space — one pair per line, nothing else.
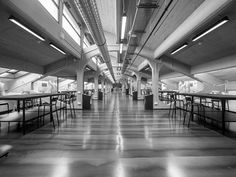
70, 25
51, 6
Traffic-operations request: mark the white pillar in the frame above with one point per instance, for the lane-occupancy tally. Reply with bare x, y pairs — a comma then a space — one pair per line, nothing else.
95, 96
103, 85
156, 66
139, 86
80, 84
123, 88
80, 65
131, 87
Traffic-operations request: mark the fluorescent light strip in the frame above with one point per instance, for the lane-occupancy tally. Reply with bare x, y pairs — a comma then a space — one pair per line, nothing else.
121, 48
182, 47
211, 29
26, 29
53, 46
124, 19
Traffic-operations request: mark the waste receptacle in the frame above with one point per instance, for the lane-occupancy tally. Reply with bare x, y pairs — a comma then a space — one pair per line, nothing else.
100, 95
86, 102
148, 102
127, 91
135, 95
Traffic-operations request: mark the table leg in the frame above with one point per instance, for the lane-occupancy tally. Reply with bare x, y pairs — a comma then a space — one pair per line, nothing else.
192, 109
23, 127
51, 114
223, 115
18, 106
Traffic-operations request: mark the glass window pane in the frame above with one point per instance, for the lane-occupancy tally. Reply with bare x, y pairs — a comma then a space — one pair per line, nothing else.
86, 43
71, 19
51, 7
57, 2
70, 30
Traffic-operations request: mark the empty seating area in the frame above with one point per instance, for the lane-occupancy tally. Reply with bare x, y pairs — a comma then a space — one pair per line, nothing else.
117, 88
33, 109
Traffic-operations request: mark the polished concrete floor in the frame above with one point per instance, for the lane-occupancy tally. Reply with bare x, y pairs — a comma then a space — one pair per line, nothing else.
117, 138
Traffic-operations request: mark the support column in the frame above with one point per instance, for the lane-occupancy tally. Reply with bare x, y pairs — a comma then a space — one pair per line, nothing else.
131, 87
123, 87
80, 85
156, 66
139, 86
103, 85
80, 65
95, 96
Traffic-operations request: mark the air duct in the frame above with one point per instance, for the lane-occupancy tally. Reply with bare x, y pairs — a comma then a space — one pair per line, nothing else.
89, 12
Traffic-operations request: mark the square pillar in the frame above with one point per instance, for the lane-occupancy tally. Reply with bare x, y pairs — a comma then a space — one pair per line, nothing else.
80, 87
155, 83
95, 96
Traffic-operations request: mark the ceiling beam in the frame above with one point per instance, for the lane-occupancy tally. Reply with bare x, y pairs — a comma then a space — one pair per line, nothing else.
200, 16
20, 64
218, 64
55, 67
209, 79
178, 66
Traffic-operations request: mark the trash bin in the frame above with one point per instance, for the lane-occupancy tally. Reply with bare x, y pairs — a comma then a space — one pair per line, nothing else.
100, 95
148, 102
135, 95
86, 102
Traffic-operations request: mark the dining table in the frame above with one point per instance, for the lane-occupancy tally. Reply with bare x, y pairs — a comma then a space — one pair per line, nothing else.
22, 99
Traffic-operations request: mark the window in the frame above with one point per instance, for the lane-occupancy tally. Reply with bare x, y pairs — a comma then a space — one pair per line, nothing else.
70, 25
51, 6
96, 61
86, 43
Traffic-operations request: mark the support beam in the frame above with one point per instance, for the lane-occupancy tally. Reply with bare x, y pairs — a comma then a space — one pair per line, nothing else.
20, 64
200, 16
56, 67
209, 79
177, 66
218, 64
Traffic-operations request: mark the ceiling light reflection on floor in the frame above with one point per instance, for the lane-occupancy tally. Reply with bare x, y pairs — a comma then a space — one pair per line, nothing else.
62, 168
120, 172
174, 171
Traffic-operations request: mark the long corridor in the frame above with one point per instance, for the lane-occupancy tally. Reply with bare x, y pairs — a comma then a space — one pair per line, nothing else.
118, 138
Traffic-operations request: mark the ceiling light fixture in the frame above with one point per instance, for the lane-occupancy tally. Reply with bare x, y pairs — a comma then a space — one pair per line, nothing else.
217, 25
121, 48
13, 20
124, 19
53, 46
180, 48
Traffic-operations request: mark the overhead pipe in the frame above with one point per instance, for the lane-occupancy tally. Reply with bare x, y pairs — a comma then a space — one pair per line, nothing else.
126, 60
89, 12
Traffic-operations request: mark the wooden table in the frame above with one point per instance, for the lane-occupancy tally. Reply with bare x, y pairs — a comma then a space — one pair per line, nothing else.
222, 98
23, 98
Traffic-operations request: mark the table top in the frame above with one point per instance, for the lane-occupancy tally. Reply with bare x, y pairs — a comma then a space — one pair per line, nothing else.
29, 96
207, 95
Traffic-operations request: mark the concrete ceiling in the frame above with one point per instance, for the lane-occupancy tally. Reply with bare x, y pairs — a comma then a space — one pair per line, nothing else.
225, 74
217, 44
107, 12
17, 44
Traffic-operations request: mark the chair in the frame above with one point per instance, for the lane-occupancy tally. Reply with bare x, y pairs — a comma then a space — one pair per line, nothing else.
175, 104
216, 104
66, 101
6, 110
70, 101
52, 103
189, 107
